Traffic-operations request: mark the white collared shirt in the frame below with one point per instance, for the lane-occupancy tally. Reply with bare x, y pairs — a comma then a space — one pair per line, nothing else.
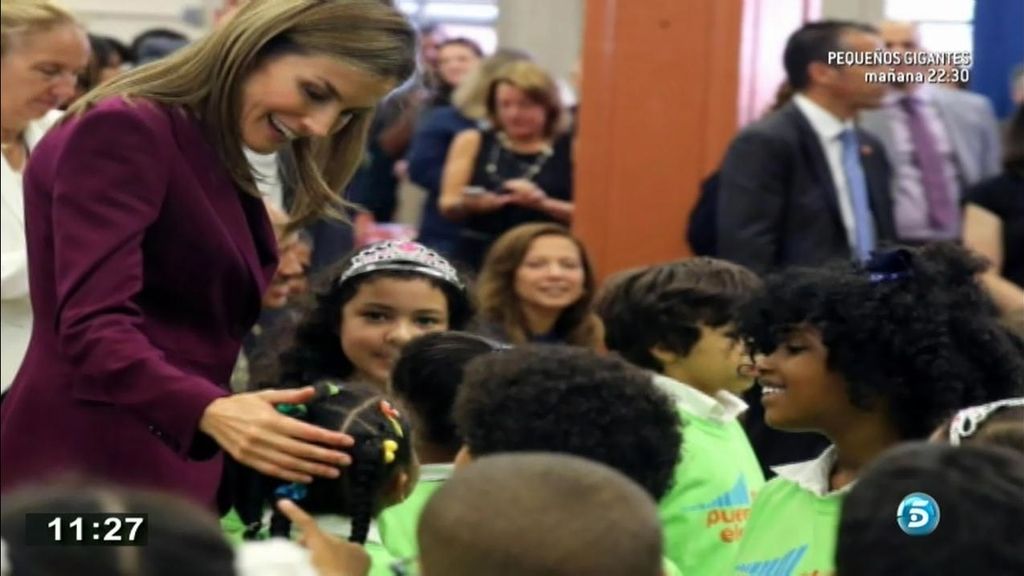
436, 472
722, 407
829, 128
815, 476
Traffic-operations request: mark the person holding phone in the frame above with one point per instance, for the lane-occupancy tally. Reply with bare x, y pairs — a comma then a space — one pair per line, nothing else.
517, 171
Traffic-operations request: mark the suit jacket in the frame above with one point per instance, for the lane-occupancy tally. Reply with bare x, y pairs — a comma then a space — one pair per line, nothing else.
972, 127
778, 205
147, 266
16, 310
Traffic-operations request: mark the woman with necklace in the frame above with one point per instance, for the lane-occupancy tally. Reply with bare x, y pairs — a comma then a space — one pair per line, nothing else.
517, 171
43, 51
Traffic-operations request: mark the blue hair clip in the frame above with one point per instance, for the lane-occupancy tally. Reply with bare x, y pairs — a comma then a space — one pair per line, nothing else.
293, 410
295, 491
889, 265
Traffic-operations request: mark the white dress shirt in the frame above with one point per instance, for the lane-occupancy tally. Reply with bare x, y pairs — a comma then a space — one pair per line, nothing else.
815, 476
829, 128
723, 407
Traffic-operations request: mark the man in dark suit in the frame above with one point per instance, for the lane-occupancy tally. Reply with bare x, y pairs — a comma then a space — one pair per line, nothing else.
803, 185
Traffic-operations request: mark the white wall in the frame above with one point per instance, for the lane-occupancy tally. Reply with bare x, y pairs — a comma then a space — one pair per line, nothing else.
551, 30
867, 11
124, 19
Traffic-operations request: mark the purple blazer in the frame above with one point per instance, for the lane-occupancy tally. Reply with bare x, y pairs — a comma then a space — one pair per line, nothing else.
146, 266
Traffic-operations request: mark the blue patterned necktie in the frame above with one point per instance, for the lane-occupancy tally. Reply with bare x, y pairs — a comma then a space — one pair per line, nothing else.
863, 222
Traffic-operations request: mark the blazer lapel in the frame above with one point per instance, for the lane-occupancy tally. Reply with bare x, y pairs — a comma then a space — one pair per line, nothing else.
811, 147
878, 182
244, 218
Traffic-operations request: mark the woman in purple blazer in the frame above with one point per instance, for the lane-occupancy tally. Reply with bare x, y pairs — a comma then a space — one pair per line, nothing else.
149, 248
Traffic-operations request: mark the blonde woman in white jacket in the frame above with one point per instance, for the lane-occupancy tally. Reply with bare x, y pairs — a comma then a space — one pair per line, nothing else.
43, 51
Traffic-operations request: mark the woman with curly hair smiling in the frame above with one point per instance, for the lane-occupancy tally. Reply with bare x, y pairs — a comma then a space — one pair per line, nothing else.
869, 356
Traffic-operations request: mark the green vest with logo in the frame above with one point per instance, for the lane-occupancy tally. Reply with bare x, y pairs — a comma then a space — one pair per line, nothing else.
791, 532
705, 511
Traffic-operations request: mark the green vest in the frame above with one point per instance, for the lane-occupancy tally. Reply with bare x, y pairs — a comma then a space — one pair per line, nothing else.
397, 524
705, 511
791, 532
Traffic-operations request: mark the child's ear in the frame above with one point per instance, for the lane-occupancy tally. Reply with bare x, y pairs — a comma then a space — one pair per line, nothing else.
404, 486
400, 488
463, 458
663, 355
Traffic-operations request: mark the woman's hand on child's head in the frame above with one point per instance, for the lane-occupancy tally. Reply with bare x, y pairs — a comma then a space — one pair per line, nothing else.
249, 427
331, 556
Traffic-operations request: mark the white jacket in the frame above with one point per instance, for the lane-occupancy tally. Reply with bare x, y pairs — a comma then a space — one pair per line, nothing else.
16, 311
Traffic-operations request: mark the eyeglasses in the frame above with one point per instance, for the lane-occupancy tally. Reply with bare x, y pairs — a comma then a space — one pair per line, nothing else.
405, 567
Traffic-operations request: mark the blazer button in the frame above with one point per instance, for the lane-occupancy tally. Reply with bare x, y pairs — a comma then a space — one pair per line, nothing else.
155, 432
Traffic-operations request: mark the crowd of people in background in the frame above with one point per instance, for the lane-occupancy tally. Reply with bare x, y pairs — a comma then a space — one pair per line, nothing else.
212, 316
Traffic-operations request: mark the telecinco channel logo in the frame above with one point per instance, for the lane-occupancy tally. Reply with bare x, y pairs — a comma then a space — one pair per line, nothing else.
918, 514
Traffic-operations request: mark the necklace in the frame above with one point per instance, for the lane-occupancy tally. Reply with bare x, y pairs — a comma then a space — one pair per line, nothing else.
529, 170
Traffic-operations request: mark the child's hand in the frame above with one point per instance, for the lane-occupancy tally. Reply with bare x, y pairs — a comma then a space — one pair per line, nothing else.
331, 556
249, 427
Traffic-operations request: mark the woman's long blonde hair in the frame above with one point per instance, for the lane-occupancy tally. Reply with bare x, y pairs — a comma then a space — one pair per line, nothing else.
499, 304
206, 77
20, 17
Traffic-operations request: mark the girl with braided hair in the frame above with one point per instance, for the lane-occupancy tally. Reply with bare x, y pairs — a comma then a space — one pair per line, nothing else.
869, 355
383, 471
369, 307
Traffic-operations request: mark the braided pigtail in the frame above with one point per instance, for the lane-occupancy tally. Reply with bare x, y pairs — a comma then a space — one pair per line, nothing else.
382, 451
367, 473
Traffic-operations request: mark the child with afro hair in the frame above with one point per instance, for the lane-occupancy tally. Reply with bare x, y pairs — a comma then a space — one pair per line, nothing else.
870, 355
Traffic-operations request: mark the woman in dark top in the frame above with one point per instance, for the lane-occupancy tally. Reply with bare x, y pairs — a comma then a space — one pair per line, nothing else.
994, 224
434, 136
518, 171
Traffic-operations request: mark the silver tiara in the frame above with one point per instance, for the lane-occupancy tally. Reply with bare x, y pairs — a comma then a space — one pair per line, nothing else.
401, 255
967, 421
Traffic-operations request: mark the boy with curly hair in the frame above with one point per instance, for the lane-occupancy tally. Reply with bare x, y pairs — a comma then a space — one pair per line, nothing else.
570, 401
